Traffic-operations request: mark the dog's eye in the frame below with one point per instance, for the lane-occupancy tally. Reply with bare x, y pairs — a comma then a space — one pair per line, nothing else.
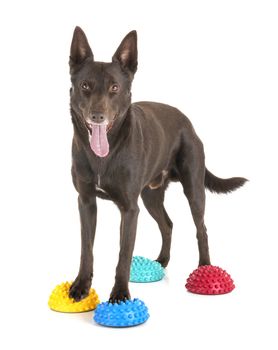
84, 86
114, 88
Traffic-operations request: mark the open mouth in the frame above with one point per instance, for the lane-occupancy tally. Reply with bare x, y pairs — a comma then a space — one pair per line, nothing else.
98, 136
109, 125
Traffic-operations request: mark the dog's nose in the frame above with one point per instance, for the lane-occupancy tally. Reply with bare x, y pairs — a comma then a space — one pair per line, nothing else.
97, 117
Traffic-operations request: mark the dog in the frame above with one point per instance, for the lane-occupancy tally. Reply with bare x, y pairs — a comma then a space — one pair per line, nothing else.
122, 150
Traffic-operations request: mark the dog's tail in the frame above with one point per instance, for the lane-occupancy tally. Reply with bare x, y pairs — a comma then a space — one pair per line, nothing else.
218, 185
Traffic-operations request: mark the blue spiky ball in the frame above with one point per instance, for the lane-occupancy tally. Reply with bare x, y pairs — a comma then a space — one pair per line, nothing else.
144, 270
125, 314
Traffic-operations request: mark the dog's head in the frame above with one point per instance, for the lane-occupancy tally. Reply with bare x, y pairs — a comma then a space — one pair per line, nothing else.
101, 92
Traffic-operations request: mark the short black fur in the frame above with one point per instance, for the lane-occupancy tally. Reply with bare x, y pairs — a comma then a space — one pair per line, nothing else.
151, 144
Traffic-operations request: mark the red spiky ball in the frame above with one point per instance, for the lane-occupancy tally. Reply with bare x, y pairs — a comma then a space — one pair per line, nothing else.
209, 280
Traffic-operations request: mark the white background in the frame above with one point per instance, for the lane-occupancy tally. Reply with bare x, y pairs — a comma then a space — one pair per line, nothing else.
217, 61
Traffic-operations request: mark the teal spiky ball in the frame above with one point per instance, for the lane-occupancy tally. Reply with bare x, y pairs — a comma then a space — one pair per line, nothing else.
144, 270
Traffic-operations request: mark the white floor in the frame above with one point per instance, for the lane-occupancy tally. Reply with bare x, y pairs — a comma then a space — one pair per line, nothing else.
244, 318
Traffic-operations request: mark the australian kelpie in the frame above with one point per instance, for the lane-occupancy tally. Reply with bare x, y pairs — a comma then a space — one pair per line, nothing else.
122, 150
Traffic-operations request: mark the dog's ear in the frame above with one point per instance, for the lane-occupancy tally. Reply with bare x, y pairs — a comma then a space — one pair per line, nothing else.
126, 54
80, 49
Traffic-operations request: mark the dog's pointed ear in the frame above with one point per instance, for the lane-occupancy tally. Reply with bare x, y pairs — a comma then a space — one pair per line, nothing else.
80, 48
126, 54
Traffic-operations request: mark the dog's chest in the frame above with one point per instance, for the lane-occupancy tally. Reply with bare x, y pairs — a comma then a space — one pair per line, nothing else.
98, 185
108, 177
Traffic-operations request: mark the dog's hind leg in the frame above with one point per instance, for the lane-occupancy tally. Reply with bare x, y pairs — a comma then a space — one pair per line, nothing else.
153, 201
191, 170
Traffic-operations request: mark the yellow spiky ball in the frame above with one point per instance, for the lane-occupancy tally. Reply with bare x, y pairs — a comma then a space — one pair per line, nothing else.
59, 300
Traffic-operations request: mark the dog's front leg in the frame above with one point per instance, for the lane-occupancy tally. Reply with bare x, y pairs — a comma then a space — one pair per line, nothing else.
88, 217
129, 217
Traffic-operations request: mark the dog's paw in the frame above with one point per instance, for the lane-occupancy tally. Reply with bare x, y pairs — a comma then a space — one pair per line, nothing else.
118, 295
79, 289
203, 262
163, 261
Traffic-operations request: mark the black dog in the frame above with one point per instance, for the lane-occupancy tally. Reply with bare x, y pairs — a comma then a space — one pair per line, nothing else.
122, 150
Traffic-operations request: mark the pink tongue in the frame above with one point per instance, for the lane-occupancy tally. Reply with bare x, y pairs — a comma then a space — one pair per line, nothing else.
98, 142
